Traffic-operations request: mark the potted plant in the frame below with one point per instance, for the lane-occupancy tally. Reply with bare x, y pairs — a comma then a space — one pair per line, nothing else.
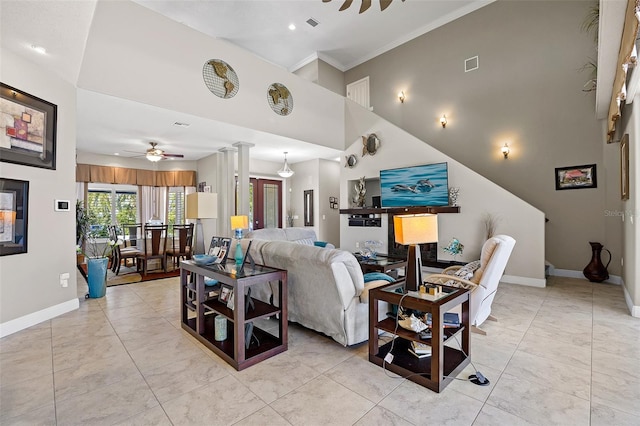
82, 228
97, 255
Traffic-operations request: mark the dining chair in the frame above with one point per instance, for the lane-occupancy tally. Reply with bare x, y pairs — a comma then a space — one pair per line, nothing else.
154, 246
121, 252
132, 232
181, 243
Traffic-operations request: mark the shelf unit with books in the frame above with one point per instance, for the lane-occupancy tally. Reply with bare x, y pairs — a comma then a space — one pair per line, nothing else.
201, 306
437, 370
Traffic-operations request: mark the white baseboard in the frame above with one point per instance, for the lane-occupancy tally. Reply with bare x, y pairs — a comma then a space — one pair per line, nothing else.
634, 309
613, 279
511, 279
531, 282
15, 325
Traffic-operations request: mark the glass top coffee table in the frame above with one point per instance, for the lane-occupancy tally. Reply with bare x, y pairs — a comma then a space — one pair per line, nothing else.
381, 263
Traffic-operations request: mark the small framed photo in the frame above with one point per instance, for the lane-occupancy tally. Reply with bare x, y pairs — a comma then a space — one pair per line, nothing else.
576, 177
206, 188
226, 293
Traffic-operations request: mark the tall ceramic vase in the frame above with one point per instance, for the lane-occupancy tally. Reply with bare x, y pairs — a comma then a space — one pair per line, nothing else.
97, 276
596, 271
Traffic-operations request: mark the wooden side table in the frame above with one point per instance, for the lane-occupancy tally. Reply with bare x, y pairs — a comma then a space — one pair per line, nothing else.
199, 311
445, 362
381, 263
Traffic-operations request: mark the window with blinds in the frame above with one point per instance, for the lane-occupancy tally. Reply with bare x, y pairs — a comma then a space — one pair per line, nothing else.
176, 206
111, 205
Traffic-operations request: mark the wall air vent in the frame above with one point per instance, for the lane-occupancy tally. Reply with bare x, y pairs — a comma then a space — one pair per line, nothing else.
471, 64
312, 22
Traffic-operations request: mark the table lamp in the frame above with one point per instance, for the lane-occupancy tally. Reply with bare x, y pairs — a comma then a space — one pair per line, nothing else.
413, 230
201, 205
239, 224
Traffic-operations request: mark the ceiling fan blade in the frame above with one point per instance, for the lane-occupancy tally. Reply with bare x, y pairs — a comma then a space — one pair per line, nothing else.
345, 5
384, 4
326, 1
366, 4
173, 155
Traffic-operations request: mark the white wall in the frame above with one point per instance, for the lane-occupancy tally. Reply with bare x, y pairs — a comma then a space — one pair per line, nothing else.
477, 196
629, 214
134, 53
329, 186
30, 290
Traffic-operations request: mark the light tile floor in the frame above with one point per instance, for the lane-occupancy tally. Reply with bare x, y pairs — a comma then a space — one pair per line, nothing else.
568, 354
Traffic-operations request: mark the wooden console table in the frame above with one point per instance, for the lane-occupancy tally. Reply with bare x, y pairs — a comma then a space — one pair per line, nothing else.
439, 369
199, 311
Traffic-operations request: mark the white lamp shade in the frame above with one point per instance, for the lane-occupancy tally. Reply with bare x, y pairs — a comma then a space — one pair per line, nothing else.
202, 205
415, 229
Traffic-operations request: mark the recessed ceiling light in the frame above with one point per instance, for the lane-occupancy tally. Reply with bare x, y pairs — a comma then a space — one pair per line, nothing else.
292, 27
116, 153
180, 124
41, 50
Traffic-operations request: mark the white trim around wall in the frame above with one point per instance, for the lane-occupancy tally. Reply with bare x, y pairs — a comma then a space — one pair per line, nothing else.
528, 281
34, 318
635, 310
613, 279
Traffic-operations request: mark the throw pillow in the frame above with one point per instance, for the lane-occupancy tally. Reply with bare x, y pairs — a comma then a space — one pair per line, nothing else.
374, 276
320, 243
305, 241
466, 272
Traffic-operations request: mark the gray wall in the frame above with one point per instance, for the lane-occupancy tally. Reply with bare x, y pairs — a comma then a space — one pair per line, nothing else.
30, 290
323, 74
527, 92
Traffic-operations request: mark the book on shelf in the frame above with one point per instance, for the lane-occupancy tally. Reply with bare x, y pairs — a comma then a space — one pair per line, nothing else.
420, 348
449, 320
419, 355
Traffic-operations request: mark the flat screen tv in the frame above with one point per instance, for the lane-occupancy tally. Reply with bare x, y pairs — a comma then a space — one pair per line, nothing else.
416, 186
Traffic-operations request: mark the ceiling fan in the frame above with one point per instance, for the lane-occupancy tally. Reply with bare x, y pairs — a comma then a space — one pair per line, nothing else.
156, 154
366, 4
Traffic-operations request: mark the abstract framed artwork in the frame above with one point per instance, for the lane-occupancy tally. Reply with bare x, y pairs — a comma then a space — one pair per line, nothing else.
576, 177
624, 167
14, 206
27, 129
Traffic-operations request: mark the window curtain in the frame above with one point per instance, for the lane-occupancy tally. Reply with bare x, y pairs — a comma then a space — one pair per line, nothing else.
153, 203
627, 44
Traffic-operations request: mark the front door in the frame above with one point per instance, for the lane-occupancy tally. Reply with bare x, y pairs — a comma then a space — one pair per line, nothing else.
266, 202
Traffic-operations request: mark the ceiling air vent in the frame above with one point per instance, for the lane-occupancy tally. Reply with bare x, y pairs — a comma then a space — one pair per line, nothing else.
471, 64
312, 22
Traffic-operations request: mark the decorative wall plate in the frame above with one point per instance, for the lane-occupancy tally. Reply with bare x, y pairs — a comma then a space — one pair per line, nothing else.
220, 78
280, 99
351, 161
370, 144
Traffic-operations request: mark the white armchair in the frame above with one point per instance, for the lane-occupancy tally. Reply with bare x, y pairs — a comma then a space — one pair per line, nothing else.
484, 280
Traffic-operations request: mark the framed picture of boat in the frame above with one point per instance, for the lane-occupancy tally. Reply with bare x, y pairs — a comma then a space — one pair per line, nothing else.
417, 186
576, 177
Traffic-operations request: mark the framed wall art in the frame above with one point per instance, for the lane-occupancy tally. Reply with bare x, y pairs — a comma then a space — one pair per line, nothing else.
624, 167
27, 129
576, 177
14, 204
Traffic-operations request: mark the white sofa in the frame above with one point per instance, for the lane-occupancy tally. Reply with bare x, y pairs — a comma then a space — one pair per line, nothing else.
298, 235
326, 289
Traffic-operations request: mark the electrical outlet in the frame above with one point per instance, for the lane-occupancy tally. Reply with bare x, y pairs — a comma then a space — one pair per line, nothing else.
64, 279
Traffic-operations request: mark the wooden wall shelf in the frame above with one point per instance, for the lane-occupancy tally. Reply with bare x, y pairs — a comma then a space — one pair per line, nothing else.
402, 210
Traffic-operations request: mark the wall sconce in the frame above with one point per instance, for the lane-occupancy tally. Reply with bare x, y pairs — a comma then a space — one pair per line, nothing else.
443, 121
505, 151
401, 96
